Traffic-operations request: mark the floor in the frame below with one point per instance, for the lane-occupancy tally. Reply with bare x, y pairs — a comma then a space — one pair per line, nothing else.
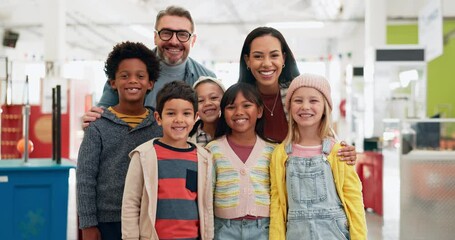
374, 221
374, 225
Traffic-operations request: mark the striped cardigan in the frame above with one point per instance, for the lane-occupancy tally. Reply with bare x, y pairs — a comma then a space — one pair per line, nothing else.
241, 189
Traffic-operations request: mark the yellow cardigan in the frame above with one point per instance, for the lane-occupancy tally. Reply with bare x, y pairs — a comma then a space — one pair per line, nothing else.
347, 184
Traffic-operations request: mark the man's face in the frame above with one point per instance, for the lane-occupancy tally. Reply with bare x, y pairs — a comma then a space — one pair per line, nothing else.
173, 51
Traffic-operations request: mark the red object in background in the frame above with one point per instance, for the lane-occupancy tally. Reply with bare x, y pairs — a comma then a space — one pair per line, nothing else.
343, 108
88, 102
44, 149
369, 167
40, 132
21, 146
12, 124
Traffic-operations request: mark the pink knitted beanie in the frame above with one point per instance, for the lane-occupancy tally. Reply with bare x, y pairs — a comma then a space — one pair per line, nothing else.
317, 82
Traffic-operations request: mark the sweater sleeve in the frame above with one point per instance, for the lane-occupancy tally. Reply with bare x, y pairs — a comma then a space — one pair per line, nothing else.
277, 178
352, 190
86, 177
132, 197
109, 97
210, 147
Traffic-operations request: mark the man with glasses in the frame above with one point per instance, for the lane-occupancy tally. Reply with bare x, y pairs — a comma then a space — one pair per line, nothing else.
174, 38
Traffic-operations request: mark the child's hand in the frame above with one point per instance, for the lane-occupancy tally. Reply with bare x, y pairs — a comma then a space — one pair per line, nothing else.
347, 153
90, 116
91, 233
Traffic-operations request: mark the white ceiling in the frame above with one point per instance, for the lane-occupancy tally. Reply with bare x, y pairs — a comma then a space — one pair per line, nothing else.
94, 26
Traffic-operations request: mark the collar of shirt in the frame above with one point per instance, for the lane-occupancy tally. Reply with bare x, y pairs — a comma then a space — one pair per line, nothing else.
201, 136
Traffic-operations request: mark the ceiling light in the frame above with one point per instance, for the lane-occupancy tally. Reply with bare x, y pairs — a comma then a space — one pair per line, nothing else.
296, 25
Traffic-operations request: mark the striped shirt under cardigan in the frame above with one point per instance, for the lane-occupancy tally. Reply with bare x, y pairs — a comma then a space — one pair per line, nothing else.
177, 210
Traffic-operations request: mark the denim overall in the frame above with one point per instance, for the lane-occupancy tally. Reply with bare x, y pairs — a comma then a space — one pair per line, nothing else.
315, 210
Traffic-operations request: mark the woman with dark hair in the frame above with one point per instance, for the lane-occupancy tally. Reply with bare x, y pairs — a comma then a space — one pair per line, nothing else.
287, 74
267, 62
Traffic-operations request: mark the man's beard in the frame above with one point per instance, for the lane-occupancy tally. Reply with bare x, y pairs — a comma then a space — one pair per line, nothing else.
167, 61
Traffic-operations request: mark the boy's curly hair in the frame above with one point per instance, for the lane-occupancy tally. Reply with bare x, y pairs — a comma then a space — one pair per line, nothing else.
128, 50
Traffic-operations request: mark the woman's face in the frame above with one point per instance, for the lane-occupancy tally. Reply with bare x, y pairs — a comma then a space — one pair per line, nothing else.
265, 61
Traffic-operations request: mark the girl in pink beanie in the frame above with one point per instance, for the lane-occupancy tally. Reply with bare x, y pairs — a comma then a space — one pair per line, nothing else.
313, 194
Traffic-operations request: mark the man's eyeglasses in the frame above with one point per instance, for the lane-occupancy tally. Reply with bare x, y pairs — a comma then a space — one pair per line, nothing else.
167, 34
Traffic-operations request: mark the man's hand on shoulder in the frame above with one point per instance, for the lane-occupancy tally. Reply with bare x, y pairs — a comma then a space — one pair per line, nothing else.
90, 116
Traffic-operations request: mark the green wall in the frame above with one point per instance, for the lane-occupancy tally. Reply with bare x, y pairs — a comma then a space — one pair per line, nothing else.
440, 71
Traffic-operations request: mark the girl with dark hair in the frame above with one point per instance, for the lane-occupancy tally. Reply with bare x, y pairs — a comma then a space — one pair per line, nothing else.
241, 159
267, 62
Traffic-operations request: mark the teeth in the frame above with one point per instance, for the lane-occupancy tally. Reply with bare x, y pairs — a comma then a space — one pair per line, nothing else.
267, 73
240, 120
173, 50
132, 90
179, 128
209, 111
